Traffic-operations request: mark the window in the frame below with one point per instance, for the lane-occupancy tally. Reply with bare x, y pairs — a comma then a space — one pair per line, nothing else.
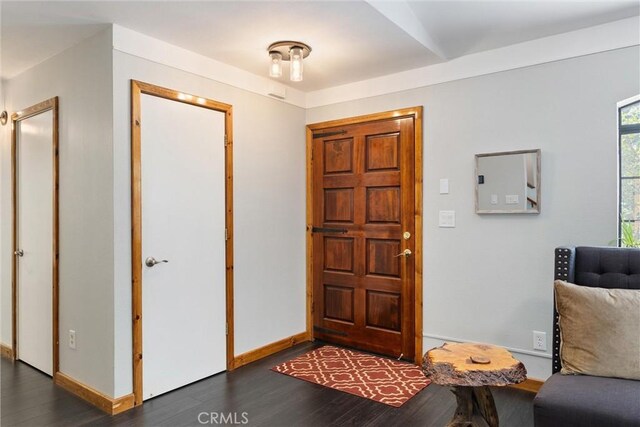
629, 186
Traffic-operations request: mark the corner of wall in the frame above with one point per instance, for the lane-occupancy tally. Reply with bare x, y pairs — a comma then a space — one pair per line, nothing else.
81, 77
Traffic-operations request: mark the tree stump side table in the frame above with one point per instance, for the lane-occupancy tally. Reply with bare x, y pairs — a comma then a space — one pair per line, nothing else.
469, 369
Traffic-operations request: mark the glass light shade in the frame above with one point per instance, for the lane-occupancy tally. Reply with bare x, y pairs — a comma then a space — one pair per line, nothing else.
275, 69
296, 64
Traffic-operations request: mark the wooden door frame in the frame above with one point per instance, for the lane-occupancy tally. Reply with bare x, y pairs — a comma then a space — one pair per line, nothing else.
42, 107
416, 114
139, 88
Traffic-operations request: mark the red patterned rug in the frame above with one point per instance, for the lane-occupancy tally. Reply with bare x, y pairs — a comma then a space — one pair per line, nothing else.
372, 377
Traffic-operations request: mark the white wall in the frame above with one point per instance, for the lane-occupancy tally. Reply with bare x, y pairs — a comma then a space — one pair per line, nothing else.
269, 209
86, 203
490, 278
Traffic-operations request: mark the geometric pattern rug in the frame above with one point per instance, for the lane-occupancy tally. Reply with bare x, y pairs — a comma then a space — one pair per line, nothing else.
372, 377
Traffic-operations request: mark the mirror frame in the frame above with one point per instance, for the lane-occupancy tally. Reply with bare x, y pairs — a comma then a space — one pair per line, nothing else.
538, 171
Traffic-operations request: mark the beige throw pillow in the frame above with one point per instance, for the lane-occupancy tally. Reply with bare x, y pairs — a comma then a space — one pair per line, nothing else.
599, 330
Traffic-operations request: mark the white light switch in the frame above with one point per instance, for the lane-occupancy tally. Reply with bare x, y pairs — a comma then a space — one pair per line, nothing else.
511, 199
494, 199
447, 219
444, 186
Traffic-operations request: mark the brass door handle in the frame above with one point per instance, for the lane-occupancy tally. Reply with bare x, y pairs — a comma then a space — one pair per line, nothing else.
406, 253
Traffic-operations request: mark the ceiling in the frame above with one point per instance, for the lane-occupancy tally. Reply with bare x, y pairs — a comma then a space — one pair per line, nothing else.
351, 40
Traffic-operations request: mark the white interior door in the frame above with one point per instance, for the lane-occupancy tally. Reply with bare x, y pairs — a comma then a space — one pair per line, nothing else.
183, 222
34, 173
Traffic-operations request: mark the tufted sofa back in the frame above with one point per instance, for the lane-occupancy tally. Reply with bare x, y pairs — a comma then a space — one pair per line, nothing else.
600, 267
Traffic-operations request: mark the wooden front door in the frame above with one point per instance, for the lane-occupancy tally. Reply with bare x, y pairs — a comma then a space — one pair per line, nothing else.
363, 232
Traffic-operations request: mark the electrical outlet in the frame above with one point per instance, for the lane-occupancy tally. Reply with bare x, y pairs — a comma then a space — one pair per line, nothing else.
72, 339
539, 340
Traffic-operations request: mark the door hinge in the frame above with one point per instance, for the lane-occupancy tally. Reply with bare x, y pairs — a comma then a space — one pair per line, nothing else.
226, 329
226, 140
226, 234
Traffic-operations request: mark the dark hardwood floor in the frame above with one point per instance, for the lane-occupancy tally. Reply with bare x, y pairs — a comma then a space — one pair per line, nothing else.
266, 398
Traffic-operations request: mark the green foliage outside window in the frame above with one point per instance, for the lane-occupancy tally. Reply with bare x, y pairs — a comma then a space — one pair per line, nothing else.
630, 175
630, 114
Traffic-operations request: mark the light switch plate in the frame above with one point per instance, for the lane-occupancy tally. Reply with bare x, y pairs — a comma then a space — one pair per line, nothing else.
447, 219
494, 199
444, 186
511, 199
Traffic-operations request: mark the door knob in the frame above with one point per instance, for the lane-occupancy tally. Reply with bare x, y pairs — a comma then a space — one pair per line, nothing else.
19, 252
406, 253
151, 261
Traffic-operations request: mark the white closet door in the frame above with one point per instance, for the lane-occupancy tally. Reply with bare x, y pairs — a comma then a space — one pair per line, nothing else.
183, 222
34, 169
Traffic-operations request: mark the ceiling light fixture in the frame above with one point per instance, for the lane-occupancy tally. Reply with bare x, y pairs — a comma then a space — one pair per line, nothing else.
291, 51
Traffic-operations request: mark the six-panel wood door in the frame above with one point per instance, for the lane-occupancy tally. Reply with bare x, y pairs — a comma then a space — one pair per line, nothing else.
363, 217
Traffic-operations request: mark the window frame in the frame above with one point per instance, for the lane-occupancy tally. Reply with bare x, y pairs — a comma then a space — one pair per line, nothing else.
624, 130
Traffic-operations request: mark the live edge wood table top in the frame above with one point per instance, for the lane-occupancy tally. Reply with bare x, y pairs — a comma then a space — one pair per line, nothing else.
470, 369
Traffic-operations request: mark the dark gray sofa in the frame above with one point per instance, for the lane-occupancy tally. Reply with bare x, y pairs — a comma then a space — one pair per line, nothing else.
582, 400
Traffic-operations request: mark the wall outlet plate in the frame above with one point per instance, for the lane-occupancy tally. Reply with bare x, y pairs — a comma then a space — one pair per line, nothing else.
72, 339
540, 340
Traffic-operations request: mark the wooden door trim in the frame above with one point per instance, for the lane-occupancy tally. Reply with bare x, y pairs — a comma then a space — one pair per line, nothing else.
7, 352
416, 114
48, 105
137, 89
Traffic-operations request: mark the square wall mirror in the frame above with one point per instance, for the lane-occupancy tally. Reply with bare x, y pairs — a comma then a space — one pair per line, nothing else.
508, 182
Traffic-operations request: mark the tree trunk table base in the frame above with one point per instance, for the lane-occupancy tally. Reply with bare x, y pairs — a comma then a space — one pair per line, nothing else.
474, 403
469, 369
